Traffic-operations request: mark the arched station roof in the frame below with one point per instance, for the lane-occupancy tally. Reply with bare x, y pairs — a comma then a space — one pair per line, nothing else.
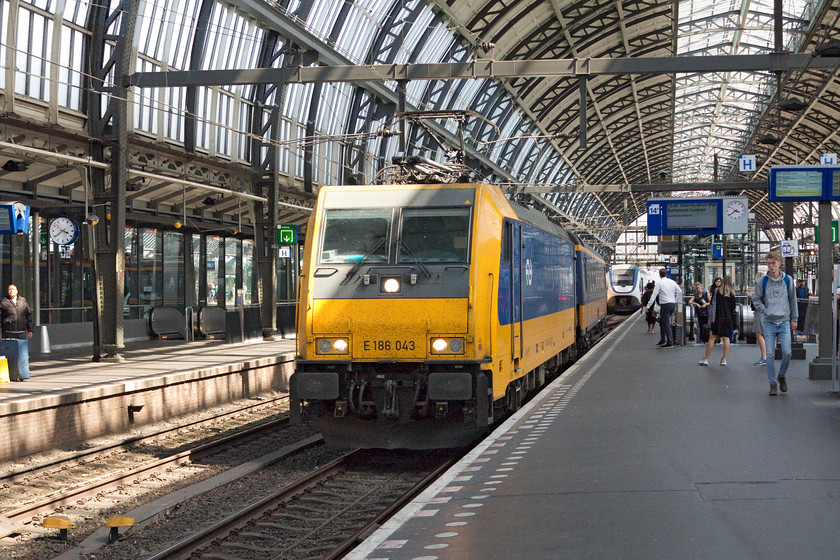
646, 133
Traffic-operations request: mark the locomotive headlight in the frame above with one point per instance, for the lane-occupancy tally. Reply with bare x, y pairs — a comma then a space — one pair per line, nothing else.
332, 345
447, 346
391, 286
439, 345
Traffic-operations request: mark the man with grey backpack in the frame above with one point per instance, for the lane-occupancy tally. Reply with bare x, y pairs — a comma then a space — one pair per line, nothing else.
775, 299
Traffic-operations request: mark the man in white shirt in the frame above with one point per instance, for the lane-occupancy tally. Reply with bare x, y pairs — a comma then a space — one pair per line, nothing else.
669, 293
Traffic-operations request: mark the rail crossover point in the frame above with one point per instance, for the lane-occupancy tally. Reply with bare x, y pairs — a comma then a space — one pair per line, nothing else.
115, 523
60, 522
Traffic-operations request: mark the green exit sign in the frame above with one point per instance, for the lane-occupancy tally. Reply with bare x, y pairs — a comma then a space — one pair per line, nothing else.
287, 235
835, 232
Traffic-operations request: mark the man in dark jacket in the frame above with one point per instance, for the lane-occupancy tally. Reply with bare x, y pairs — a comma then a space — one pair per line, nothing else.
16, 315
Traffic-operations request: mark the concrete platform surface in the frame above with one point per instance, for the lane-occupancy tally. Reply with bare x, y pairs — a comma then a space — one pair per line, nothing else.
61, 375
639, 453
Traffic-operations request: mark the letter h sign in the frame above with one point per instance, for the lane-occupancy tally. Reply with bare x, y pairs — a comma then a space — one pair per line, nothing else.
746, 164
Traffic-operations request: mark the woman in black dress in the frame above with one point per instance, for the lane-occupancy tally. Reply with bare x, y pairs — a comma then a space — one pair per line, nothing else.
721, 318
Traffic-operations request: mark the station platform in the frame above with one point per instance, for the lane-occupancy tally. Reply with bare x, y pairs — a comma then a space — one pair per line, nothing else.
70, 399
639, 453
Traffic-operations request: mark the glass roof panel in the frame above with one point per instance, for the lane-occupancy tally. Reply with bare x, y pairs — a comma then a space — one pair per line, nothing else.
712, 107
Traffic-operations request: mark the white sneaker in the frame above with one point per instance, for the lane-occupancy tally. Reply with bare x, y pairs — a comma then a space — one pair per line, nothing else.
703, 362
723, 362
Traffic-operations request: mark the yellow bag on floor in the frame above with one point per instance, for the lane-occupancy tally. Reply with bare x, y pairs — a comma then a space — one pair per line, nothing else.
4, 369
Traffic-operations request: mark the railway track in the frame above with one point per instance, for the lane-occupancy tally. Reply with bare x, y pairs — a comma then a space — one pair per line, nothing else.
321, 515
98, 483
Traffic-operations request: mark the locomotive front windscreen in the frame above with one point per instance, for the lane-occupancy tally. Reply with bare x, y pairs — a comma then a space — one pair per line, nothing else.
624, 278
434, 235
424, 235
352, 235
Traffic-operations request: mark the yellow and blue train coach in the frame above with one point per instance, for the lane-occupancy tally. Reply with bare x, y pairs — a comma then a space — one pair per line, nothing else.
426, 312
591, 293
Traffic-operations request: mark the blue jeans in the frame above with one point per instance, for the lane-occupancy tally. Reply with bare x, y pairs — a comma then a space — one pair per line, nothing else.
666, 311
782, 331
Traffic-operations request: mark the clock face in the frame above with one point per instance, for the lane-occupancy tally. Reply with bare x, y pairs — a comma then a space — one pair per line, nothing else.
64, 231
736, 210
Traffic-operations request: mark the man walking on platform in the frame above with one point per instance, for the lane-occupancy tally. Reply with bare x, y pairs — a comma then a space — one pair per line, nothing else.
669, 293
775, 299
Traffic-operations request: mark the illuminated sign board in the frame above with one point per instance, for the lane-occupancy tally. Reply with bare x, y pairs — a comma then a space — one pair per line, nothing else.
797, 183
697, 216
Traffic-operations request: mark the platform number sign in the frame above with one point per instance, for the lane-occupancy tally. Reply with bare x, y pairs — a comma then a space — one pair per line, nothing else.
828, 159
287, 235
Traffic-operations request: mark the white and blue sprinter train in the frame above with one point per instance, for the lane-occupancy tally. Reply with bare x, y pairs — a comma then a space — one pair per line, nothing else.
625, 286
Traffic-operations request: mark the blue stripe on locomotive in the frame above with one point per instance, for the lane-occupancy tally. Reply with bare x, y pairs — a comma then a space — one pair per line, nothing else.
547, 275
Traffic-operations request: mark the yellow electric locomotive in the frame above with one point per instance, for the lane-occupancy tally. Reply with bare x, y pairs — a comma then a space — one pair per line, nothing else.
427, 311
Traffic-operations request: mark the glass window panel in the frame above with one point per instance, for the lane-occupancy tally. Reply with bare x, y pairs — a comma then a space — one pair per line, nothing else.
151, 268
34, 33
322, 16
198, 272
231, 267
4, 25
283, 152
173, 269
77, 11
131, 303
43, 4
223, 132
356, 235
150, 28
70, 64
432, 235
248, 277
214, 259
415, 33
203, 105
298, 151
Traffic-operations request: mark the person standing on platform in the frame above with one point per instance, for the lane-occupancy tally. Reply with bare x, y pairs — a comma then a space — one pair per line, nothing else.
700, 301
669, 293
722, 319
775, 298
650, 313
802, 295
15, 315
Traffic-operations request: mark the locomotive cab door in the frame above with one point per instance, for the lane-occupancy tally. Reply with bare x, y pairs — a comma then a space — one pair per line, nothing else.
512, 261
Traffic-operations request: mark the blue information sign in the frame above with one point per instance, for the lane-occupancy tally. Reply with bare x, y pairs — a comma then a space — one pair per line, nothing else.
697, 216
14, 218
803, 183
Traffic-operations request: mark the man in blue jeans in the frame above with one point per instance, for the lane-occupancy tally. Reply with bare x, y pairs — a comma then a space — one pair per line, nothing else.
775, 298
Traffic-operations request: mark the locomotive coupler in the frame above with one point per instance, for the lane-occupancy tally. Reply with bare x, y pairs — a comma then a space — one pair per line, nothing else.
391, 408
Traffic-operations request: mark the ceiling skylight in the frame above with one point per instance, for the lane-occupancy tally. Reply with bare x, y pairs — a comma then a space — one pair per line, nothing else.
715, 113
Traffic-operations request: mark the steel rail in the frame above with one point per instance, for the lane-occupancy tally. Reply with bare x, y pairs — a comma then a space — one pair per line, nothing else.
185, 548
359, 535
126, 444
114, 481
